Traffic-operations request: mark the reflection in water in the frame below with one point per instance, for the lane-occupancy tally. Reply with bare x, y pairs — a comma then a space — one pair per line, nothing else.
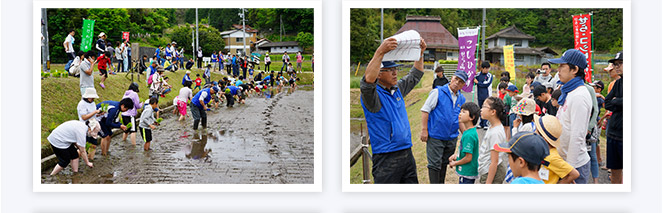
196, 150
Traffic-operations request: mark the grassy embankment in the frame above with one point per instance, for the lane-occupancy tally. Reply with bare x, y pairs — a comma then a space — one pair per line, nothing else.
60, 96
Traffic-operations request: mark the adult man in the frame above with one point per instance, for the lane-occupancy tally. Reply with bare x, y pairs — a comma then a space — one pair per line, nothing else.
69, 48
614, 132
68, 139
546, 78
187, 78
286, 59
101, 44
439, 121
199, 103
157, 53
110, 120
200, 57
574, 112
388, 126
484, 82
440, 79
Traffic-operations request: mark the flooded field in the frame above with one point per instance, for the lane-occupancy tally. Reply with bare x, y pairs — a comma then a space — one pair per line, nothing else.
268, 140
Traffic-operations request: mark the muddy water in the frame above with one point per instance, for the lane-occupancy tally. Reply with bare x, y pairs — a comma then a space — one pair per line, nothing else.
267, 140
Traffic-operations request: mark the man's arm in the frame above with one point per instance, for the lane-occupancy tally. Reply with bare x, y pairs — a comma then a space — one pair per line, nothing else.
487, 82
373, 68
424, 127
407, 83
580, 112
429, 105
612, 102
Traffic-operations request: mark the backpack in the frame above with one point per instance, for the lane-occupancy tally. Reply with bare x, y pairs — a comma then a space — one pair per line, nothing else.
149, 80
74, 69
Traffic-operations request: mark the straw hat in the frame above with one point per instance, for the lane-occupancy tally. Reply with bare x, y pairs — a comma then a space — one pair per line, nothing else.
90, 93
525, 106
549, 128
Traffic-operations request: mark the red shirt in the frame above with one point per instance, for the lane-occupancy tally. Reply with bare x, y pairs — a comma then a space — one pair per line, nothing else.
198, 81
102, 62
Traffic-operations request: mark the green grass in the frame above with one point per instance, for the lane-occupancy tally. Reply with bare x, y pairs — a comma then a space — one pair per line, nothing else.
277, 63
60, 96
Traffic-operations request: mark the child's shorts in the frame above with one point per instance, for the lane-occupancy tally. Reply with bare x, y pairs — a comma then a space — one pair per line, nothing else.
126, 120
105, 129
103, 72
146, 133
65, 155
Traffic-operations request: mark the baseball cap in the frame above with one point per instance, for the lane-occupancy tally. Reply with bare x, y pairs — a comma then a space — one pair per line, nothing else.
619, 56
598, 83
215, 88
389, 64
529, 146
461, 74
512, 88
572, 56
525, 106
549, 128
534, 84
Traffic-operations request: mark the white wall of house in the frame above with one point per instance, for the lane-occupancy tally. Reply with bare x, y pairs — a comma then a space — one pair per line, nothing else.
283, 49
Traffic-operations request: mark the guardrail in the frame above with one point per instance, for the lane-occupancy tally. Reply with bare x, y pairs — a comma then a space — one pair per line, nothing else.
362, 151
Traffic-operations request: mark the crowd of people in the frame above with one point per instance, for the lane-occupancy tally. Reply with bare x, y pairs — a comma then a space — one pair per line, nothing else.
548, 133
80, 138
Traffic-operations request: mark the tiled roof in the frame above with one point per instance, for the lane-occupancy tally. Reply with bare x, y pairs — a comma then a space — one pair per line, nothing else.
429, 27
511, 32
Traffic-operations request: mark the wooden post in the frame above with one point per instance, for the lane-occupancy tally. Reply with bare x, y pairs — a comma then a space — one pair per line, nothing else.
365, 158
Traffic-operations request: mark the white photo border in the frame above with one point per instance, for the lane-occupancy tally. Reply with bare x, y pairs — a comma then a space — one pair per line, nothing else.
345, 76
316, 186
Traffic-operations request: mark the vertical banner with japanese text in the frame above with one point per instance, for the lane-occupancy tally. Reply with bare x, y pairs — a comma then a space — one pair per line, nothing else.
467, 47
509, 63
582, 34
125, 36
87, 35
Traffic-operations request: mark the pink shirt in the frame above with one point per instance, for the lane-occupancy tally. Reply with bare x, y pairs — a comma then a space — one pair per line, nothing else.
299, 58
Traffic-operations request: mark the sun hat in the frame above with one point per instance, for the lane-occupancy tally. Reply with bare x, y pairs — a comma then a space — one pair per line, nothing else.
461, 74
525, 106
527, 145
572, 56
94, 126
101, 34
549, 128
619, 56
90, 93
188, 72
160, 68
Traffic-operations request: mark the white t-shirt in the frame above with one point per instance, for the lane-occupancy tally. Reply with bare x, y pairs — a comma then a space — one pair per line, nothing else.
86, 80
185, 95
574, 116
494, 135
528, 127
69, 39
85, 108
67, 133
156, 82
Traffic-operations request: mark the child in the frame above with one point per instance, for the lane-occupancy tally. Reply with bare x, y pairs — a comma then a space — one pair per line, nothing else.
104, 61
501, 89
526, 153
558, 170
492, 165
555, 96
180, 101
198, 82
467, 161
525, 110
527, 87
207, 74
147, 122
509, 102
544, 98
251, 71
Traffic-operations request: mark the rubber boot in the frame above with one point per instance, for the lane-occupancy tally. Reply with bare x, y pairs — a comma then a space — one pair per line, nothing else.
195, 124
433, 176
204, 122
443, 173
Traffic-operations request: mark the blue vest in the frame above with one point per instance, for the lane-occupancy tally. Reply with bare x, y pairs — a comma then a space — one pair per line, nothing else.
158, 52
389, 128
196, 102
233, 90
213, 57
443, 120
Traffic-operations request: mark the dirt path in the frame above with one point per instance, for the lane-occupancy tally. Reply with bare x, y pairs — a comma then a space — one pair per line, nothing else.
267, 140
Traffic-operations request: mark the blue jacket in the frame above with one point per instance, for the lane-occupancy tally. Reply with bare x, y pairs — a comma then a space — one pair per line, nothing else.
113, 112
185, 79
485, 81
195, 100
443, 120
389, 128
233, 90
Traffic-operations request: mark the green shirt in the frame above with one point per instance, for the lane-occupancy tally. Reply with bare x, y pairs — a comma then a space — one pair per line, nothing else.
469, 143
509, 101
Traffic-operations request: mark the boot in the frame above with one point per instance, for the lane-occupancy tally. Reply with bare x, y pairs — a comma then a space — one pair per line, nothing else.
443, 173
204, 122
195, 124
433, 176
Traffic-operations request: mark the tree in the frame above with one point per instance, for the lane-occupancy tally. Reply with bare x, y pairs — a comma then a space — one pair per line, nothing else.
305, 39
210, 38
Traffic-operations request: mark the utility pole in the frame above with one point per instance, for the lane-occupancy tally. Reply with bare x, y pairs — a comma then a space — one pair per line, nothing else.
193, 45
243, 33
483, 36
280, 28
381, 25
197, 44
45, 53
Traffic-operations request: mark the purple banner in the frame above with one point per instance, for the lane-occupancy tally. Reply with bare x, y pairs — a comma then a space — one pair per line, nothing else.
467, 47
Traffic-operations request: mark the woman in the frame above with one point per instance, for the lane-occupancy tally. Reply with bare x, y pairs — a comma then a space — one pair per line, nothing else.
130, 115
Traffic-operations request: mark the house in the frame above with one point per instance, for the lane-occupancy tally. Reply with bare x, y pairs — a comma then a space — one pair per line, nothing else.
441, 44
280, 47
235, 39
523, 53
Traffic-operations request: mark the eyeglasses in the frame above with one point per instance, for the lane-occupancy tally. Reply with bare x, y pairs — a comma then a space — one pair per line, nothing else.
389, 70
617, 63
